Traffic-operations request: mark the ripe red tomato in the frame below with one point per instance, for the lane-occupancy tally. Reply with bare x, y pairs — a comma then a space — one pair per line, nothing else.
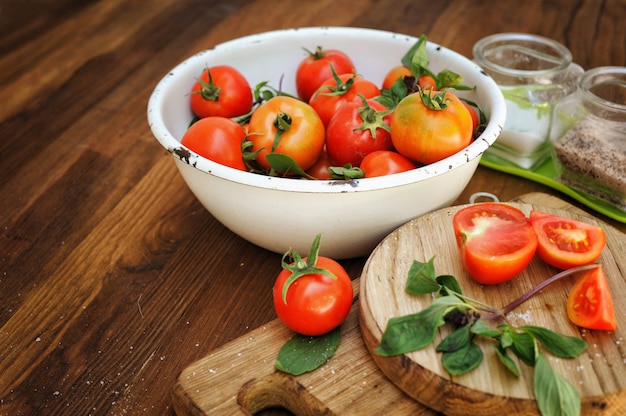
425, 134
385, 162
357, 129
287, 126
315, 69
221, 91
496, 241
334, 92
312, 295
564, 242
589, 302
218, 139
321, 168
427, 82
394, 74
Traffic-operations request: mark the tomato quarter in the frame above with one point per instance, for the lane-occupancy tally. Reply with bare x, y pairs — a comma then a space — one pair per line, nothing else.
589, 302
564, 242
496, 241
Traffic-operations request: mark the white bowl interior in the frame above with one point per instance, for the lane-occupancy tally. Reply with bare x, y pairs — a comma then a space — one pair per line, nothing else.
278, 213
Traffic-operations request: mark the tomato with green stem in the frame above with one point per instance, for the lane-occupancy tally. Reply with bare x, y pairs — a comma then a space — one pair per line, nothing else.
338, 90
565, 242
218, 139
312, 295
286, 126
221, 91
316, 68
496, 241
589, 302
428, 126
356, 130
385, 162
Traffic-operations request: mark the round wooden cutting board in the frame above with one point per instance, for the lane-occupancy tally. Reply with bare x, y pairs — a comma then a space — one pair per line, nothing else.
599, 374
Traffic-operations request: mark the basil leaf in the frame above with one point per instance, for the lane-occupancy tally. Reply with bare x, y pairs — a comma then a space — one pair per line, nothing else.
480, 327
558, 344
421, 278
504, 358
413, 332
302, 354
285, 164
523, 346
456, 340
462, 360
450, 283
554, 395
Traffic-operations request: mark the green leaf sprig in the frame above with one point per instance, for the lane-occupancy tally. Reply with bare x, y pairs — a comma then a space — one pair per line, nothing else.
469, 319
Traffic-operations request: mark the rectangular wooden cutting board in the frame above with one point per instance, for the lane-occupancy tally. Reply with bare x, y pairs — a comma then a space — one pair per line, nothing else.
239, 377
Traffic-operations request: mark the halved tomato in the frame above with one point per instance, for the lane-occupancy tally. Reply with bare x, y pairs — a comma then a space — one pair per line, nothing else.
496, 241
566, 243
589, 303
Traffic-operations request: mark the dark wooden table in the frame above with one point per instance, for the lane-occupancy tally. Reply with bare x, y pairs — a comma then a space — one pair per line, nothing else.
113, 278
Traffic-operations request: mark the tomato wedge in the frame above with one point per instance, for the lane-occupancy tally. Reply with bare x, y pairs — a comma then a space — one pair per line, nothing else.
496, 241
566, 243
589, 303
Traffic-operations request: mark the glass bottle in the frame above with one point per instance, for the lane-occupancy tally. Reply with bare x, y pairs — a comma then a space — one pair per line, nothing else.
534, 73
589, 136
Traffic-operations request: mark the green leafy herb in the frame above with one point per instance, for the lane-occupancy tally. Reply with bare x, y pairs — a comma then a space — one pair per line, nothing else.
468, 317
302, 353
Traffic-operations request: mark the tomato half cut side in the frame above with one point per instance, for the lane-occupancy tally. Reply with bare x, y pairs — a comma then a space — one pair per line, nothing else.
589, 302
496, 241
565, 243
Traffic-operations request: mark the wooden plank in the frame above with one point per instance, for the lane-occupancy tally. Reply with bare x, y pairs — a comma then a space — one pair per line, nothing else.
239, 376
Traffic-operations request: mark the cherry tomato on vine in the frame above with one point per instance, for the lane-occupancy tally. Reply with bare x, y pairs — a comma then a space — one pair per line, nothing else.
428, 126
394, 74
221, 91
357, 129
385, 162
316, 68
218, 139
287, 126
338, 90
589, 302
496, 241
566, 243
312, 295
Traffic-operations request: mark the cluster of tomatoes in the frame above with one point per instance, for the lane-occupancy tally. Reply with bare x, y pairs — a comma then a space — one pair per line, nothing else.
497, 242
340, 125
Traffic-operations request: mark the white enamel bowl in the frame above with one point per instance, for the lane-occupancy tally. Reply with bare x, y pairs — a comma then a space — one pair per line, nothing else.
281, 214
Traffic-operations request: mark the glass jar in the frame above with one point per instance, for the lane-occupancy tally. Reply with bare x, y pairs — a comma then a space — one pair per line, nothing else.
589, 136
534, 73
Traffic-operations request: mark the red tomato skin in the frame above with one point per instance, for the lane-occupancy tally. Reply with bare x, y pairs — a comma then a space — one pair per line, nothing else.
315, 69
327, 105
496, 241
394, 74
345, 144
427, 135
427, 82
316, 304
234, 98
304, 141
589, 302
385, 162
321, 168
218, 139
565, 243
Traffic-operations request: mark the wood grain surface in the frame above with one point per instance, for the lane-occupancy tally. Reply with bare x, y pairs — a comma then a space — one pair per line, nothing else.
113, 278
599, 374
